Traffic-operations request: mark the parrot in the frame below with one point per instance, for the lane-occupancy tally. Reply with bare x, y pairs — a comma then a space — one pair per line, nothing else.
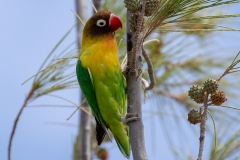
101, 79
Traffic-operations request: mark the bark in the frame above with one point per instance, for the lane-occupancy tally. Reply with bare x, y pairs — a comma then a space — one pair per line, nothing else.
84, 144
134, 99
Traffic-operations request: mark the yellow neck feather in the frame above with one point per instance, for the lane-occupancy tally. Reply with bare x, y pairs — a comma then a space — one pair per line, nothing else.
100, 54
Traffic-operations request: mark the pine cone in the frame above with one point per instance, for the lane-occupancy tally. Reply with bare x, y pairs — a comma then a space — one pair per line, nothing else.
132, 5
210, 86
194, 117
196, 93
151, 7
218, 98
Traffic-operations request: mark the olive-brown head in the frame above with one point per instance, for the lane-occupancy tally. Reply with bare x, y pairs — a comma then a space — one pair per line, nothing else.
101, 23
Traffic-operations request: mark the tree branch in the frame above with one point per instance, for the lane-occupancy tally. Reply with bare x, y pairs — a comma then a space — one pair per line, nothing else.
17, 119
150, 70
203, 125
134, 100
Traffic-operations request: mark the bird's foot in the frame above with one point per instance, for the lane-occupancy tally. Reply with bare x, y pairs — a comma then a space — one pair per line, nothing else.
130, 117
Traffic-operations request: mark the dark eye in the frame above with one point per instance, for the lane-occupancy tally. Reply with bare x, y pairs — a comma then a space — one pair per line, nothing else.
101, 23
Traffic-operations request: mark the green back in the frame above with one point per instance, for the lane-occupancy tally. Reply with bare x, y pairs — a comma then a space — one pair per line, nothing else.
85, 82
86, 86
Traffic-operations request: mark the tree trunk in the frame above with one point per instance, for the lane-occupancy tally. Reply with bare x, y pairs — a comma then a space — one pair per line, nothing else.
84, 138
134, 99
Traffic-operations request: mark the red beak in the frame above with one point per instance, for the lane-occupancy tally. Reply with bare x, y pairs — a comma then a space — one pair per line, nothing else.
114, 22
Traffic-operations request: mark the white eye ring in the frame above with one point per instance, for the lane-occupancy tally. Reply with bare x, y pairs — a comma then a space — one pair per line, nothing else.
101, 23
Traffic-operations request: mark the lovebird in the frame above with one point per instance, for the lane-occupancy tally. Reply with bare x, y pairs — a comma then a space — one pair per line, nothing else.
101, 79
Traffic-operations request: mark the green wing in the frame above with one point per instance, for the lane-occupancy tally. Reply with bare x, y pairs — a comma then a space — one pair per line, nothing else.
86, 85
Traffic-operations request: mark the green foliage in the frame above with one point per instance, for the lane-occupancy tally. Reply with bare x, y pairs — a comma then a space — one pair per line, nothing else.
171, 11
53, 76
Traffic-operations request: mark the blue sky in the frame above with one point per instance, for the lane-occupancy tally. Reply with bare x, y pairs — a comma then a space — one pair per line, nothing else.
29, 30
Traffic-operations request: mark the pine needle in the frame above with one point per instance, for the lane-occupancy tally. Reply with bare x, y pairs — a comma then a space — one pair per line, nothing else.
231, 107
64, 80
57, 59
56, 46
49, 105
195, 30
202, 24
172, 11
205, 17
215, 132
41, 71
80, 107
93, 6
151, 40
56, 96
124, 62
80, 19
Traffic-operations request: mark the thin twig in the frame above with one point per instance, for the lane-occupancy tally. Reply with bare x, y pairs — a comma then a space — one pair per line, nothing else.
235, 57
16, 121
224, 73
203, 126
150, 70
230, 68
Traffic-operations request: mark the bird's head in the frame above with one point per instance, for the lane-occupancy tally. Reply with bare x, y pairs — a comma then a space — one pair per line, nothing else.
102, 23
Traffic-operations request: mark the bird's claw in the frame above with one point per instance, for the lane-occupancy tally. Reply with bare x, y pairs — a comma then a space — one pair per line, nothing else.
130, 117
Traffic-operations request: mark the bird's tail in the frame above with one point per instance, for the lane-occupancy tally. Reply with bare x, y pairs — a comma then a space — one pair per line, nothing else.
121, 135
125, 152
